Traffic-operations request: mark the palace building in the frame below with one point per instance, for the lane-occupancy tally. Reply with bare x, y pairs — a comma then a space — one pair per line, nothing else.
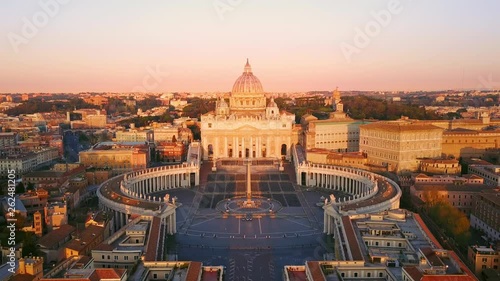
338, 133
397, 145
249, 126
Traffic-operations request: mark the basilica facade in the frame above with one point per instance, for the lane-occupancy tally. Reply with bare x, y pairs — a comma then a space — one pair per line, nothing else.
249, 126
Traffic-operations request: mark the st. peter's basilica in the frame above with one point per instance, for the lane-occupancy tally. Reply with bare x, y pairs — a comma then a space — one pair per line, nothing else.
249, 126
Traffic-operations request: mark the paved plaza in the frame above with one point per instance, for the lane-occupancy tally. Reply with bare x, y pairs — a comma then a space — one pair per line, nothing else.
251, 246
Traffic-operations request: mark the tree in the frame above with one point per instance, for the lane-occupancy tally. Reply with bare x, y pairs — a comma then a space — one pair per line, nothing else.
196, 132
454, 222
103, 137
364, 107
19, 220
20, 188
31, 186
29, 245
431, 197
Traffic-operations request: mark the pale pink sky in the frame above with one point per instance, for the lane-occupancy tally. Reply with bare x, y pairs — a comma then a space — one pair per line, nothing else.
293, 45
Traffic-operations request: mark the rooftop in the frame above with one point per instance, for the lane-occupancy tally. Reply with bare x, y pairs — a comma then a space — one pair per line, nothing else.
398, 126
465, 187
85, 237
44, 174
53, 238
296, 273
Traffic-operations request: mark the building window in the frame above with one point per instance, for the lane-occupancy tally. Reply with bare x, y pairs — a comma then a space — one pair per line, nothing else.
485, 259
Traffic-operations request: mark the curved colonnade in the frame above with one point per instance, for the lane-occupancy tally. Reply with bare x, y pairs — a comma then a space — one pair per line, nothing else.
368, 192
131, 193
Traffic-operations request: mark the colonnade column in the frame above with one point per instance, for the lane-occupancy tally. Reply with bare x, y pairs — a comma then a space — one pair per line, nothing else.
325, 222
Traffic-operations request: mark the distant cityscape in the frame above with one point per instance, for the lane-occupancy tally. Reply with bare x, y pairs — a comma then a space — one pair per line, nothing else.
250, 185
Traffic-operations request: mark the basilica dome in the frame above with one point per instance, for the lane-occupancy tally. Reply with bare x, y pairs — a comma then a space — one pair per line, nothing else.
247, 83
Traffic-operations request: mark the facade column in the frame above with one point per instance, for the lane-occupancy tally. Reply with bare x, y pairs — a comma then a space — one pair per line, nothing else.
217, 151
268, 146
250, 149
237, 147
258, 153
277, 149
225, 147
243, 151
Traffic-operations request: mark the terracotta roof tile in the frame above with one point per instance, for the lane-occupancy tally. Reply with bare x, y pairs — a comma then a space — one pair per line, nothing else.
400, 126
315, 270
351, 239
54, 237
154, 235
194, 271
413, 272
